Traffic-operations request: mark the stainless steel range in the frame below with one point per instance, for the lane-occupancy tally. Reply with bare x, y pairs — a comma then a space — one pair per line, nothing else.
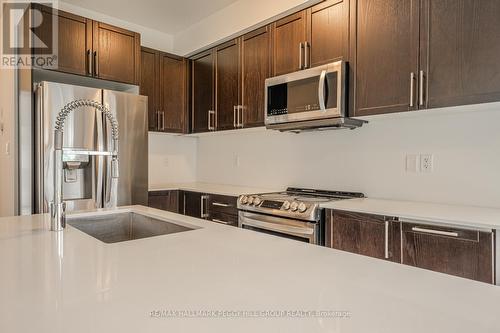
296, 213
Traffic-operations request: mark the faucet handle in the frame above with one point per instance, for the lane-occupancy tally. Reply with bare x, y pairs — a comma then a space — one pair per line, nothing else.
114, 167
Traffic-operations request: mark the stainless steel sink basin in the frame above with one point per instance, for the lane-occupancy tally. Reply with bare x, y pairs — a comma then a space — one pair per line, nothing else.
121, 227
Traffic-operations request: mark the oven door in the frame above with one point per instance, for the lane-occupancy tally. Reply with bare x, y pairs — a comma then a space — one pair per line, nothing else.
293, 229
315, 93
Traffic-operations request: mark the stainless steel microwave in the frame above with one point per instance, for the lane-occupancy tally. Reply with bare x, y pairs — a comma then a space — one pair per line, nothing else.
313, 97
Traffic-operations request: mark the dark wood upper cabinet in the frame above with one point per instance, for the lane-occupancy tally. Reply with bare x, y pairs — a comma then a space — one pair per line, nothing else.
150, 78
328, 32
228, 84
116, 53
92, 48
202, 92
289, 36
370, 235
164, 81
256, 68
460, 51
464, 253
173, 91
386, 62
74, 39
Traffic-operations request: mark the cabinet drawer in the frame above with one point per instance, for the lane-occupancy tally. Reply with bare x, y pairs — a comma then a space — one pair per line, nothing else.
222, 218
223, 204
459, 252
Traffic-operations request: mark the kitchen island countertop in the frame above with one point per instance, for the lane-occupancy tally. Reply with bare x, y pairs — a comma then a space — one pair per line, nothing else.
203, 280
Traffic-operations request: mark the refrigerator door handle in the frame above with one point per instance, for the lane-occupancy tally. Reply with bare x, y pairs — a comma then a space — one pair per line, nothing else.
99, 162
39, 150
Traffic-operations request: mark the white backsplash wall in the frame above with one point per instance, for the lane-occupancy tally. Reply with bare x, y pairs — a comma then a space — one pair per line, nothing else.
172, 159
464, 141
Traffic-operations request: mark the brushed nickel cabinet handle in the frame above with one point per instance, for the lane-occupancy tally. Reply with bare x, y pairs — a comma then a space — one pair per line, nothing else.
204, 199
435, 232
421, 89
301, 48
240, 116
235, 116
211, 115
89, 62
220, 204
96, 64
412, 89
220, 221
163, 120
307, 59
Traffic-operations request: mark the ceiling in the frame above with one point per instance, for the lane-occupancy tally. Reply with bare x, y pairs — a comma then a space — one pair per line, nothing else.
168, 16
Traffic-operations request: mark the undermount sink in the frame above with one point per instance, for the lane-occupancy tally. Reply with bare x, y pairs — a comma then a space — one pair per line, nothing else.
121, 227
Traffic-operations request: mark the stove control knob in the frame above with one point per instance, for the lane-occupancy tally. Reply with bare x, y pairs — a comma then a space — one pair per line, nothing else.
294, 206
302, 207
244, 200
250, 200
257, 201
286, 205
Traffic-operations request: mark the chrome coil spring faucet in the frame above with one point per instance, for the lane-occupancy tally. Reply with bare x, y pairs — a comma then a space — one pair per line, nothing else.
58, 207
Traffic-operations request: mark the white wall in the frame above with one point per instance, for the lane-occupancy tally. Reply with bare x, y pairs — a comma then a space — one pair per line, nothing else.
231, 20
149, 37
172, 159
465, 143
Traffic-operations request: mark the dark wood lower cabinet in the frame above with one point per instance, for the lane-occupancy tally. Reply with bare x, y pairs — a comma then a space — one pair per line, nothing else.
461, 252
464, 253
369, 235
165, 200
193, 204
216, 208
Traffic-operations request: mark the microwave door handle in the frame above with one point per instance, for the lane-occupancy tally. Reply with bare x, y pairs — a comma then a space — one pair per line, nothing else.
321, 90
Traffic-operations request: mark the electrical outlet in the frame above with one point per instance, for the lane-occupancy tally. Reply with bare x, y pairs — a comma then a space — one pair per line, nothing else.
426, 163
412, 163
166, 162
236, 161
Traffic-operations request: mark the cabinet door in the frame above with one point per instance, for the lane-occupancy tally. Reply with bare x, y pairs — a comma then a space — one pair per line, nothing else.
464, 253
460, 51
195, 204
329, 32
202, 91
369, 235
150, 77
74, 39
116, 53
173, 89
288, 43
227, 84
386, 56
164, 200
256, 68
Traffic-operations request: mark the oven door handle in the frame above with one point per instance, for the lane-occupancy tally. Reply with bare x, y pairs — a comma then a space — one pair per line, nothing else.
321, 90
282, 228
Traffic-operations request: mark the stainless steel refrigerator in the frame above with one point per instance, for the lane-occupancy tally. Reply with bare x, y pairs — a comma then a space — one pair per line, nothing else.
87, 181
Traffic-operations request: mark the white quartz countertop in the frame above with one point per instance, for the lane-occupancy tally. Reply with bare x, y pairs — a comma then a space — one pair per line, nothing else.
221, 189
70, 282
457, 215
